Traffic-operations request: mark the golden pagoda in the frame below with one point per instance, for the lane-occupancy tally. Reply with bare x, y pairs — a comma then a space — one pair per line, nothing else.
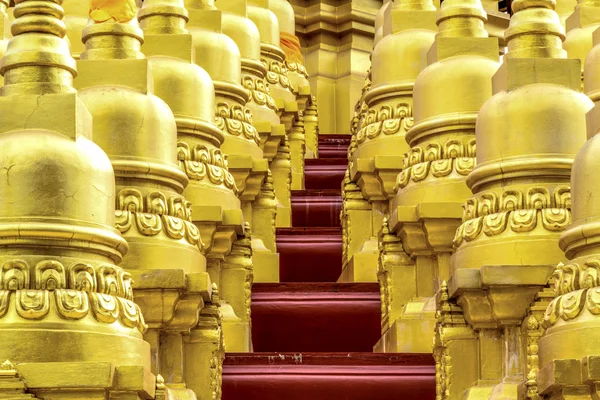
506, 247
182, 220
426, 208
376, 155
580, 26
70, 325
139, 133
245, 158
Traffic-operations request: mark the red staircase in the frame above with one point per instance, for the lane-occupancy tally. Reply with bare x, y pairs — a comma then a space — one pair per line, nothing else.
313, 337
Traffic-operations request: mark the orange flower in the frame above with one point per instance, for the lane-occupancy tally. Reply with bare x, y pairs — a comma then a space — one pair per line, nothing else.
112, 10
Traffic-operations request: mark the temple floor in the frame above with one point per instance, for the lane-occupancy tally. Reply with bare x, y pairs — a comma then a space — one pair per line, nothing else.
313, 338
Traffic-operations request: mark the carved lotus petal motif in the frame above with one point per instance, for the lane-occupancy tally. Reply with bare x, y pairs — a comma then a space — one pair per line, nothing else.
32, 304
512, 200
415, 156
523, 220
552, 312
123, 220
562, 197
183, 151
370, 117
440, 168
105, 307
470, 209
464, 165
14, 275
453, 149
108, 280
420, 171
495, 224
129, 312
82, 277
192, 233
591, 273
538, 198
403, 178
50, 275
195, 170
361, 135
216, 174
72, 304
433, 152
571, 304
458, 236
593, 300
174, 227
148, 224
391, 126
130, 200
488, 204
472, 228
372, 130
556, 219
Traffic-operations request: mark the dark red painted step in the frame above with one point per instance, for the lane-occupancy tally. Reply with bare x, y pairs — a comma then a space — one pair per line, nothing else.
334, 146
324, 173
309, 254
328, 376
313, 208
328, 317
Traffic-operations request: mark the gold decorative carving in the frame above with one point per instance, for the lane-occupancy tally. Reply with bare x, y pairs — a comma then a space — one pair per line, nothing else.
152, 224
276, 73
71, 304
297, 68
533, 329
260, 92
519, 210
391, 253
577, 288
53, 275
386, 119
236, 120
201, 162
132, 200
437, 160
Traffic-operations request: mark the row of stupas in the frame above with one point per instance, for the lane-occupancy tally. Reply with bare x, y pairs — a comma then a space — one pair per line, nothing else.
470, 193
148, 151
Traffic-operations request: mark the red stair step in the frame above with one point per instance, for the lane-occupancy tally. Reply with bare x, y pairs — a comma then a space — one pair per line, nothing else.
328, 376
324, 173
334, 146
313, 208
328, 317
309, 254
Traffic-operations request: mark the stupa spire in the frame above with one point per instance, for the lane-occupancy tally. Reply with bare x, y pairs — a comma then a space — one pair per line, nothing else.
30, 68
462, 18
163, 17
535, 30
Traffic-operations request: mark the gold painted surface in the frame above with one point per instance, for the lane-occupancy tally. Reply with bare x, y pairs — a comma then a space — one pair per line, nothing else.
521, 204
384, 114
568, 355
440, 114
69, 322
139, 133
245, 158
212, 191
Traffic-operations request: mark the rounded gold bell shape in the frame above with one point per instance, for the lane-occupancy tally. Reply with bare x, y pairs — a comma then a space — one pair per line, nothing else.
62, 297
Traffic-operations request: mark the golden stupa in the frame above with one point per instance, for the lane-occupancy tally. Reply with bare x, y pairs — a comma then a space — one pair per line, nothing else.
181, 219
